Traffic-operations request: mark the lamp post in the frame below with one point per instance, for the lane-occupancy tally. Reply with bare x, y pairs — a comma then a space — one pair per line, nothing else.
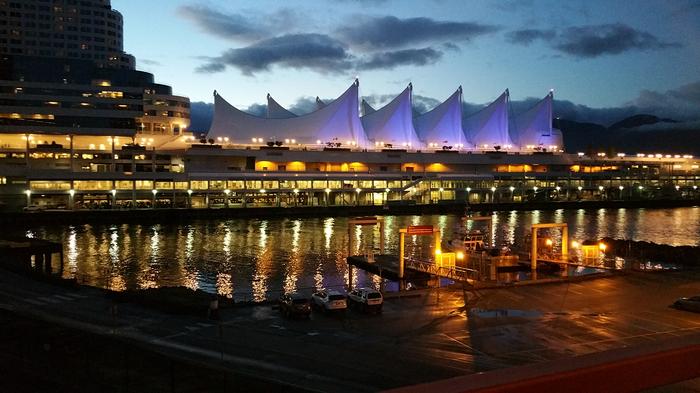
71, 199
621, 189
153, 201
358, 191
114, 198
493, 194
600, 189
512, 195
29, 197
227, 192
328, 192
296, 196
189, 198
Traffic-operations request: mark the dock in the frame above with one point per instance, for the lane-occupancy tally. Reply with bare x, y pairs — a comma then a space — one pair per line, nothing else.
385, 266
25, 253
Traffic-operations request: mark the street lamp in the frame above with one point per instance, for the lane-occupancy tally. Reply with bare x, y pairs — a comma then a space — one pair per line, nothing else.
154, 191
189, 198
358, 190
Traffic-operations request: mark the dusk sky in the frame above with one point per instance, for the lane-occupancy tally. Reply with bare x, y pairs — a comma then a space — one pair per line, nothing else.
595, 54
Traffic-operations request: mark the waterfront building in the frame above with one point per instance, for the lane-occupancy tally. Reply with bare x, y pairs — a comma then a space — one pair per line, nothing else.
90, 132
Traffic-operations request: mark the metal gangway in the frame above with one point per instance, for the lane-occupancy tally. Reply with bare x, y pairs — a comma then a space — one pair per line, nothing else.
455, 273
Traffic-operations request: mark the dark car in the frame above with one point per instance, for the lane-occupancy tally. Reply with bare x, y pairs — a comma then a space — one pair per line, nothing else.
294, 304
688, 304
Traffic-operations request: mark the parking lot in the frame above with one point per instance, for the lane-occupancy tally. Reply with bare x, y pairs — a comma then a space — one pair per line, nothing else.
420, 337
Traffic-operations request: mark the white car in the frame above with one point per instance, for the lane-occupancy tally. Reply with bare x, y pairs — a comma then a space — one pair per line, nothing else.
329, 300
367, 299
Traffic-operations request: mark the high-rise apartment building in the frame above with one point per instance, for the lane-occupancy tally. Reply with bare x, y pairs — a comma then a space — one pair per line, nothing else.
63, 70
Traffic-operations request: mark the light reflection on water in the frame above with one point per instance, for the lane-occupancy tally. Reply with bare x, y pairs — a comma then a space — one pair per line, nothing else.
255, 257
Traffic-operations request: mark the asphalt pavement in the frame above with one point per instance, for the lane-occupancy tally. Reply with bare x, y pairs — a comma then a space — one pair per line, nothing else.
427, 336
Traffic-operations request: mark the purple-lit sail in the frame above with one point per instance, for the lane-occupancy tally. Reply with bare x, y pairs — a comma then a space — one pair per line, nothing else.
367, 108
442, 126
393, 123
277, 111
337, 123
533, 128
488, 128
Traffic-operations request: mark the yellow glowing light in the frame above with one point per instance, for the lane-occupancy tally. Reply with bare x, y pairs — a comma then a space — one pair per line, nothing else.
548, 242
438, 252
574, 244
602, 246
460, 255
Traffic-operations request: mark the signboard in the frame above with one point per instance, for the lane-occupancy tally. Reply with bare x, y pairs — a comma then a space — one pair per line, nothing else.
420, 230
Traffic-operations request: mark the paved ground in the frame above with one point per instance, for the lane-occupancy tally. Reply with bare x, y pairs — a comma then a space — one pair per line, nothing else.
416, 339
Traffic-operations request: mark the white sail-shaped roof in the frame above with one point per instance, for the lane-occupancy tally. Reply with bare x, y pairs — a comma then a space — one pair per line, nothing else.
489, 127
277, 111
393, 123
443, 124
367, 108
319, 104
533, 128
337, 122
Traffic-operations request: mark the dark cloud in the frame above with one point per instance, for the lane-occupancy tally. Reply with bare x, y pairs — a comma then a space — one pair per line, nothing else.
610, 39
592, 40
682, 103
310, 51
150, 62
370, 33
248, 27
527, 36
393, 59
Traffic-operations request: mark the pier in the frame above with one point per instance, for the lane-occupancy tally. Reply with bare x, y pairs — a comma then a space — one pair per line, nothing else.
25, 253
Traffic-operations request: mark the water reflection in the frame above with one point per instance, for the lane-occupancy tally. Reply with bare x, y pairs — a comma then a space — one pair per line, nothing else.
254, 257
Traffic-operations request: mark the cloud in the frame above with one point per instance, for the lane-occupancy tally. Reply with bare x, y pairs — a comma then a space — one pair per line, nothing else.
150, 62
610, 39
527, 36
371, 33
682, 103
248, 27
592, 41
393, 59
310, 51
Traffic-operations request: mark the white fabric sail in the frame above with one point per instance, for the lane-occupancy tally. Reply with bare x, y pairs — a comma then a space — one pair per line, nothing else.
319, 104
277, 111
393, 123
337, 123
533, 128
488, 127
367, 108
442, 126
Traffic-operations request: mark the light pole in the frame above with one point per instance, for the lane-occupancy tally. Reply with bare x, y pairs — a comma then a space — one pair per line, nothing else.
493, 194
71, 198
153, 203
227, 192
114, 198
358, 190
621, 188
29, 197
600, 189
189, 198
296, 196
328, 192
512, 196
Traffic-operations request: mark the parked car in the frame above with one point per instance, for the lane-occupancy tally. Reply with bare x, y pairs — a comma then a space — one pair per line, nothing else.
367, 299
688, 303
33, 208
329, 300
294, 304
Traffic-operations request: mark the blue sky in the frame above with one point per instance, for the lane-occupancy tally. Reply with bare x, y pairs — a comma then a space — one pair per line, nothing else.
597, 54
